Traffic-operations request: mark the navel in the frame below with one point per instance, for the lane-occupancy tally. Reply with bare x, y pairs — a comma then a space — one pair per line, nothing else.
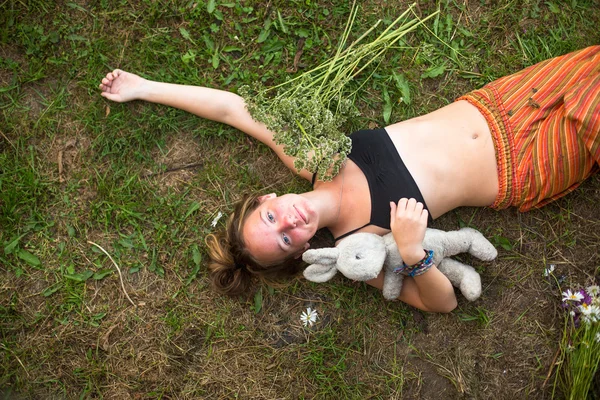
475, 136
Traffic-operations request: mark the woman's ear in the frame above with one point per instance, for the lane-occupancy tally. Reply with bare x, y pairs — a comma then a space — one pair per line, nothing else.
267, 197
301, 251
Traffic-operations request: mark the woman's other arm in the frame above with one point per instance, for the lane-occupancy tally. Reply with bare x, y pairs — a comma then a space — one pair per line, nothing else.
216, 105
430, 291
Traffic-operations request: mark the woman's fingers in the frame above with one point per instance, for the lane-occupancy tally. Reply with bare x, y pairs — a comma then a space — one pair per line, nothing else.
424, 216
407, 211
407, 207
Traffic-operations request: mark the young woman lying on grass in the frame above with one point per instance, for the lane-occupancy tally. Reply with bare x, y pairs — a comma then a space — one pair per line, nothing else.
523, 141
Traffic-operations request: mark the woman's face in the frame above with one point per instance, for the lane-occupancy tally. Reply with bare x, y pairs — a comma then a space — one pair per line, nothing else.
280, 227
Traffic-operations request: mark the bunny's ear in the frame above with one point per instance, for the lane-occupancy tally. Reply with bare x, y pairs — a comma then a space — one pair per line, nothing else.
320, 272
328, 255
323, 262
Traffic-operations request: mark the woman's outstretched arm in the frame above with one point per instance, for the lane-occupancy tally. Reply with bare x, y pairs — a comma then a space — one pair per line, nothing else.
216, 105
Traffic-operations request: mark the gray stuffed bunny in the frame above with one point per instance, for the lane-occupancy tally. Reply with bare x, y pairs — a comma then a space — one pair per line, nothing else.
361, 257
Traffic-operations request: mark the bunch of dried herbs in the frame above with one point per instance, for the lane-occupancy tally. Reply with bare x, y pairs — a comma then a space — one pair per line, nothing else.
306, 112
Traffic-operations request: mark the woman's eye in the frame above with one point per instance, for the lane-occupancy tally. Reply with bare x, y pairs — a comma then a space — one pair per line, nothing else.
286, 240
270, 217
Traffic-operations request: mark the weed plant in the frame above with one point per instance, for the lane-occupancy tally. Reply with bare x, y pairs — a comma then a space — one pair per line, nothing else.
580, 344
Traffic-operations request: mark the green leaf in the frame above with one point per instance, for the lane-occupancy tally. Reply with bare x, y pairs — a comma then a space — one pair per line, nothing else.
192, 275
126, 243
553, 8
209, 42
80, 277
215, 59
264, 34
188, 57
102, 274
465, 31
402, 85
29, 258
258, 301
196, 256
8, 249
77, 38
210, 7
193, 207
302, 32
49, 291
186, 35
503, 242
282, 25
387, 107
434, 71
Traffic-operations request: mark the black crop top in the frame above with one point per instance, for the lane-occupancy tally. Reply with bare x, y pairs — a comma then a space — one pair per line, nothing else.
389, 180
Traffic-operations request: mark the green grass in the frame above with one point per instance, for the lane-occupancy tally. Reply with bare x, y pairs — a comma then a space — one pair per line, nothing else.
145, 182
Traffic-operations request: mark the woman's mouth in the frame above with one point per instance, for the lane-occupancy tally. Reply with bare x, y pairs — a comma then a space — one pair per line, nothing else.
301, 215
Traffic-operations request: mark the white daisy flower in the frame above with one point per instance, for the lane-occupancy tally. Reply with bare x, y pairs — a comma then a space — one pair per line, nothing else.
572, 296
589, 313
585, 309
549, 270
594, 313
593, 290
309, 317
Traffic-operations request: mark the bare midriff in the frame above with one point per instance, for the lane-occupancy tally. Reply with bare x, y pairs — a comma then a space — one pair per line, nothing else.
450, 154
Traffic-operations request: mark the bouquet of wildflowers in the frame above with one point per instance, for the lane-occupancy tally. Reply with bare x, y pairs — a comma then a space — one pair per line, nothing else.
306, 112
580, 345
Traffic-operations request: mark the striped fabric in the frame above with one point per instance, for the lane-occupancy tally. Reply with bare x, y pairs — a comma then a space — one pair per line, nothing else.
545, 121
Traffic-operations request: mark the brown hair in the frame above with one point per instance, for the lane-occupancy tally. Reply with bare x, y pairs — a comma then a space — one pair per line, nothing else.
232, 268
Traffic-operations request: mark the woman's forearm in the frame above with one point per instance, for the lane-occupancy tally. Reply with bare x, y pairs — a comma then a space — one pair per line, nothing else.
436, 291
216, 105
431, 291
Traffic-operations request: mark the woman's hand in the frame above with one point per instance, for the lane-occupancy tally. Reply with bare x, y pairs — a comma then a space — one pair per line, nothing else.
121, 86
408, 221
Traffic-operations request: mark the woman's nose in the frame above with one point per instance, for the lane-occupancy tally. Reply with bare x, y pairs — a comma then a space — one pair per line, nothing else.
289, 220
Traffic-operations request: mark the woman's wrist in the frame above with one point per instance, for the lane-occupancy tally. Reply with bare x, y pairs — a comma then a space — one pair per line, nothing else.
418, 268
411, 257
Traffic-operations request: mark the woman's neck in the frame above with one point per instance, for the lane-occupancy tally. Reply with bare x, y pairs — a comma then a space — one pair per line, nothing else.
327, 199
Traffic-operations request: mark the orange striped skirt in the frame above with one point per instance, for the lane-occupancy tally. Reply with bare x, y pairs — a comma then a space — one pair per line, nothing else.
545, 122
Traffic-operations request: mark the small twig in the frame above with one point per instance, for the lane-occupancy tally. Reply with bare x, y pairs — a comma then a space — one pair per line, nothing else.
118, 270
61, 179
7, 139
188, 166
551, 367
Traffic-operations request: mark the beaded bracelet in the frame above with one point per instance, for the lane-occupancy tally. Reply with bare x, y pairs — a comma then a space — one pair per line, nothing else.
419, 268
